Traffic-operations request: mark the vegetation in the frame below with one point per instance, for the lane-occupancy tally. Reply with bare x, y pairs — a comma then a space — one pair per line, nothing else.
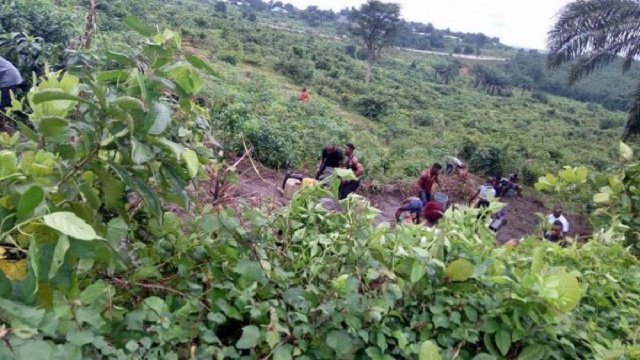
594, 33
376, 25
110, 250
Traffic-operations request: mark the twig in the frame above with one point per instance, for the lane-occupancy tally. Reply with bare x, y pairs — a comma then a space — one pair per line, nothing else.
253, 164
458, 348
78, 166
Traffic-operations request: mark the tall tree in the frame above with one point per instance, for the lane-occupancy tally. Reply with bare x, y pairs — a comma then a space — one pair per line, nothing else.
376, 25
591, 34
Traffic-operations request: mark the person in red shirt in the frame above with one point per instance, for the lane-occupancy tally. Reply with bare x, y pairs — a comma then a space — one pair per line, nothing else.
426, 181
304, 96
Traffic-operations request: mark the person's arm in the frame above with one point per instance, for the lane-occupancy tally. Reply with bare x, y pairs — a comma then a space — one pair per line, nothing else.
320, 166
359, 169
474, 197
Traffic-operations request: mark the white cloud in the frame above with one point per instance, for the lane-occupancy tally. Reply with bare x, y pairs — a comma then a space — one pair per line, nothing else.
516, 22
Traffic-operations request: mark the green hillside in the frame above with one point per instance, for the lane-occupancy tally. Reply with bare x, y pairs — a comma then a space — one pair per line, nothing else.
121, 236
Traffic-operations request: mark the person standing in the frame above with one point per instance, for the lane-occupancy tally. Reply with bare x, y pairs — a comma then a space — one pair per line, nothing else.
350, 186
304, 96
557, 216
330, 159
426, 181
10, 81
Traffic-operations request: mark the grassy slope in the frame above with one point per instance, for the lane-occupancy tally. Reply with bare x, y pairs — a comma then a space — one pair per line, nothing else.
460, 114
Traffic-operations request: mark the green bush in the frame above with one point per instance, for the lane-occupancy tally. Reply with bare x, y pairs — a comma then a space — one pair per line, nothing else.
540, 97
373, 106
300, 71
229, 57
608, 123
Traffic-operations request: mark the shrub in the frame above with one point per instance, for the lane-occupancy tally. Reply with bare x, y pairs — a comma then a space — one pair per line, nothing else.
228, 57
608, 123
593, 107
371, 106
540, 97
300, 71
272, 146
423, 120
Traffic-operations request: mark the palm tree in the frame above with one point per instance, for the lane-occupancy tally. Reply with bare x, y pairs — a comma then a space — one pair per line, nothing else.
591, 34
447, 73
491, 80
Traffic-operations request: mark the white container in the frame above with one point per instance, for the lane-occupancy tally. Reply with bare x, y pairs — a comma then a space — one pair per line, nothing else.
291, 187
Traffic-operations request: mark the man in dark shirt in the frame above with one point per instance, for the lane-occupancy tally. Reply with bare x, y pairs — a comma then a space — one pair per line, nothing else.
331, 157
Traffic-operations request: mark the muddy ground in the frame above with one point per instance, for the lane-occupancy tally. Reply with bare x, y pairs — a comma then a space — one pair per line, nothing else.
260, 186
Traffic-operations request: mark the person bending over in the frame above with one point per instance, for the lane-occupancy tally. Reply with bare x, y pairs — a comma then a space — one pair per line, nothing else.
412, 205
330, 159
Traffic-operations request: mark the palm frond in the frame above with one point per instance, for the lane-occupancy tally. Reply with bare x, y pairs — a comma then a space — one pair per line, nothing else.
595, 32
633, 120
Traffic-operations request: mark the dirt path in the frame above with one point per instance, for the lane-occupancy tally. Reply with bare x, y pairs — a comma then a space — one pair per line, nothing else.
261, 187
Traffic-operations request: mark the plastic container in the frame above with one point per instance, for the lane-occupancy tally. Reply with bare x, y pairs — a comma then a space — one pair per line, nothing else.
497, 224
309, 182
291, 187
442, 199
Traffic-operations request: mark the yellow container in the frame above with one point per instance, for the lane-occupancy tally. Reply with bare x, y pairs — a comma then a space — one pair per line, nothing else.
309, 182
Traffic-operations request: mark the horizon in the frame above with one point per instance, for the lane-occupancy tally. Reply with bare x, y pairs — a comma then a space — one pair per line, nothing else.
522, 24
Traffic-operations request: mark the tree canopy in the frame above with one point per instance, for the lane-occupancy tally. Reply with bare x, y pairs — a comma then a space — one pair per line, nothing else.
376, 25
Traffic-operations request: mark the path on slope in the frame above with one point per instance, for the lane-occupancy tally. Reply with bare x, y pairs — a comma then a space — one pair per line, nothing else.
261, 186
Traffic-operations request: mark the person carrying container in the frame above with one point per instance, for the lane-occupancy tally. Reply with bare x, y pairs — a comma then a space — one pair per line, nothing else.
425, 183
484, 193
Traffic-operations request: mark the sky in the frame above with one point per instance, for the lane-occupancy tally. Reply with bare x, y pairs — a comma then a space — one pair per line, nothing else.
522, 23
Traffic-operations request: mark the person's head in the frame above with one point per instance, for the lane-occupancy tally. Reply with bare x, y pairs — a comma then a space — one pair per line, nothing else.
514, 177
490, 180
557, 211
432, 212
331, 148
435, 169
349, 149
556, 228
304, 89
499, 175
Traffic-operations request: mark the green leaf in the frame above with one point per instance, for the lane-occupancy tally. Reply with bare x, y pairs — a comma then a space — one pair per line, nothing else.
113, 75
250, 270
441, 321
159, 117
200, 64
340, 341
532, 352
282, 353
58, 255
141, 153
47, 95
459, 270
80, 337
53, 126
570, 291
129, 103
250, 337
70, 224
30, 200
601, 198
93, 292
483, 357
626, 152
8, 163
175, 148
150, 199
272, 336
135, 24
190, 158
26, 314
429, 351
417, 271
503, 341
537, 261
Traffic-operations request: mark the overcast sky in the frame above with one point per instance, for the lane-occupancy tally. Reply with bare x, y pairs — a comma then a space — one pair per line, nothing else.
516, 22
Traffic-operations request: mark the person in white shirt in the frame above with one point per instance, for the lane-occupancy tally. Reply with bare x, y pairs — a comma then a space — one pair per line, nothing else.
486, 192
557, 216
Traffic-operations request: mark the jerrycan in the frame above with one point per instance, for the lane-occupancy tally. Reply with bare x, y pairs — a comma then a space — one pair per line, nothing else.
309, 182
291, 187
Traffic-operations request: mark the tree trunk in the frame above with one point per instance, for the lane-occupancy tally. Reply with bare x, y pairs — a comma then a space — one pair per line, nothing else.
369, 68
90, 29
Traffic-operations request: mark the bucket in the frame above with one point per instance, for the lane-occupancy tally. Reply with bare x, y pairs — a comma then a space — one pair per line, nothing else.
291, 187
442, 199
308, 182
497, 224
510, 194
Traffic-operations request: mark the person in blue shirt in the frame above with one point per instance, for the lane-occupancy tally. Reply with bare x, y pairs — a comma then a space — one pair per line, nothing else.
10, 81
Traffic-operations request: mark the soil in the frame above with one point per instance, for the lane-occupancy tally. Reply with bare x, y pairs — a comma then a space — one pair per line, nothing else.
261, 186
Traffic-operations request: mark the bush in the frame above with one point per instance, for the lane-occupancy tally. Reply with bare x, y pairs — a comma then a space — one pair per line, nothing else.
540, 97
423, 120
229, 57
371, 106
273, 147
300, 71
608, 123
